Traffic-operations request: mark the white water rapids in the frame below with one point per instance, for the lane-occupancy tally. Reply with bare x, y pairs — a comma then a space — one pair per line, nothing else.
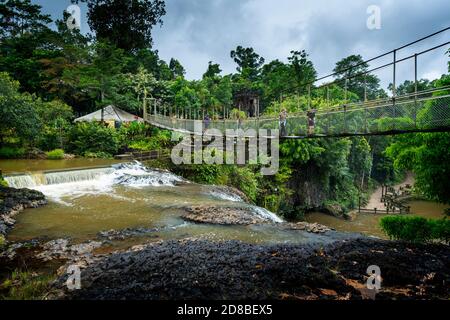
73, 184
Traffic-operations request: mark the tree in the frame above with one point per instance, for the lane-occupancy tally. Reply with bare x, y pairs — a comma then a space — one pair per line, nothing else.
351, 68
176, 68
248, 61
103, 77
20, 17
19, 118
212, 71
144, 83
277, 79
426, 154
24, 40
409, 86
125, 23
302, 68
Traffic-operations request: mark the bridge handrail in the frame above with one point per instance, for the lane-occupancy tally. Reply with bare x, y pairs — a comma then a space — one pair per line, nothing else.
354, 106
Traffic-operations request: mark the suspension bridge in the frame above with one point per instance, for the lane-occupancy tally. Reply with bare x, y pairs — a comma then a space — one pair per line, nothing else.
419, 111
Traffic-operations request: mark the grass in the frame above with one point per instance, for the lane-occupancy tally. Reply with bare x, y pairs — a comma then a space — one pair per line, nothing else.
25, 285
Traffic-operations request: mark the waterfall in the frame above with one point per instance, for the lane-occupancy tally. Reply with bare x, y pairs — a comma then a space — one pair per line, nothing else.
21, 181
78, 182
226, 196
266, 214
32, 180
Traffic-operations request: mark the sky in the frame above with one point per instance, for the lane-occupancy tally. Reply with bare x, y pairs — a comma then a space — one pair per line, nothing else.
198, 31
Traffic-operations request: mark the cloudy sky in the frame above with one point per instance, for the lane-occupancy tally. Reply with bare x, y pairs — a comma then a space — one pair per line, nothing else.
198, 31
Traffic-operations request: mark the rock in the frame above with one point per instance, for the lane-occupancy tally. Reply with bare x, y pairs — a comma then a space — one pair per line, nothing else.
308, 227
68, 156
126, 233
36, 153
334, 209
13, 201
61, 249
222, 215
200, 269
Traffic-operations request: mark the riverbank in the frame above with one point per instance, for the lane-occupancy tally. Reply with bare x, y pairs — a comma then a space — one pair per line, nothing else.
375, 197
13, 201
199, 269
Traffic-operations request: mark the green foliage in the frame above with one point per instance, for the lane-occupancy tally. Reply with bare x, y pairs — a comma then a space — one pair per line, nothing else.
352, 66
248, 61
416, 229
246, 180
11, 152
3, 182
2, 237
97, 155
206, 173
424, 153
17, 112
126, 24
56, 154
93, 137
24, 285
159, 139
236, 114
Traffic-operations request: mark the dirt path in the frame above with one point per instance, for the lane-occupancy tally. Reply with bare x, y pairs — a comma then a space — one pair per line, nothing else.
375, 198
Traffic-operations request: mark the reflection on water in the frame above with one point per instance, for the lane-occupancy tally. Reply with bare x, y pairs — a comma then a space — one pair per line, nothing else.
370, 223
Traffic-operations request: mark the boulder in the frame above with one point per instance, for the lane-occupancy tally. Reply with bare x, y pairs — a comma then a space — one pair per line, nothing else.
13, 201
222, 215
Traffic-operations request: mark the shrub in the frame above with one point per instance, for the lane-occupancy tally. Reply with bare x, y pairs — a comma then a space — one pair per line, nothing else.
244, 179
56, 154
2, 240
416, 229
97, 155
3, 182
11, 152
440, 229
93, 137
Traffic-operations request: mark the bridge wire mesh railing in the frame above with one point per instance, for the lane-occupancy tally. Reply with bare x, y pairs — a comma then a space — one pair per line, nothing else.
423, 111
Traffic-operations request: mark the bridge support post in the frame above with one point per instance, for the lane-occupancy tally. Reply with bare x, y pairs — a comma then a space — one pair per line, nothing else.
394, 89
359, 205
415, 90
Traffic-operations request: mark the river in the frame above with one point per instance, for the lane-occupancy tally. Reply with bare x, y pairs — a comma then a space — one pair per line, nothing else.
147, 203
369, 224
85, 202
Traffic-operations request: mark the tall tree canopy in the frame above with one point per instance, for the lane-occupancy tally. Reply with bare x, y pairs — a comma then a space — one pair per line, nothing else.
20, 17
127, 24
248, 61
351, 68
212, 71
177, 68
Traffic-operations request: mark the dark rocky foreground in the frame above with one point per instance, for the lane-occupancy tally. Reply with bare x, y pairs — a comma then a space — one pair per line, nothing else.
13, 201
199, 269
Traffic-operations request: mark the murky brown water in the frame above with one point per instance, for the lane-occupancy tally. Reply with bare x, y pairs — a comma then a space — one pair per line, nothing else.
370, 223
82, 209
9, 166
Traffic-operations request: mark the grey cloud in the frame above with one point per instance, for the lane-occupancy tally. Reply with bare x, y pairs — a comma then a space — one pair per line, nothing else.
197, 31
201, 30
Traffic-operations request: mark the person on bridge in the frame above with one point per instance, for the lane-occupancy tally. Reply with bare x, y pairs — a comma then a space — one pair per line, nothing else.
206, 121
283, 122
311, 114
